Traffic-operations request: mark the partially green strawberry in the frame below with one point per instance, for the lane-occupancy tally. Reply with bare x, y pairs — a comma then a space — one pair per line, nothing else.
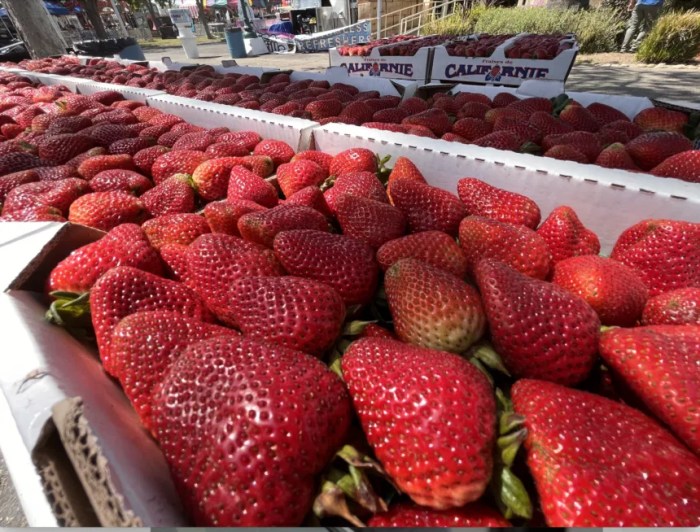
432, 247
178, 228
600, 463
409, 515
262, 227
106, 210
448, 399
540, 329
482, 199
566, 236
676, 307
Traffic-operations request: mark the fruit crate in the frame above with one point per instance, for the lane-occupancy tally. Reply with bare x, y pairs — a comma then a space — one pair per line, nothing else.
607, 201
499, 69
415, 67
130, 93
385, 87
52, 79
113, 473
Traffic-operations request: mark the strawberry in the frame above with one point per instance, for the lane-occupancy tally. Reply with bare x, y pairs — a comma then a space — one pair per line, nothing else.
290, 311
615, 291
494, 114
18, 161
33, 213
146, 114
227, 149
616, 156
631, 129
390, 116
436, 120
324, 108
296, 175
651, 149
404, 168
501, 140
223, 216
660, 119
15, 179
211, 177
503, 99
579, 117
473, 110
61, 148
176, 162
249, 139
169, 138
89, 168
320, 158
566, 236
259, 164
532, 105
368, 220
144, 159
659, 365
174, 195
125, 290
246, 185
54, 173
432, 308
408, 515
362, 184
566, 152
482, 199
163, 119
591, 456
194, 141
432, 247
271, 480
174, 257
106, 210
125, 245
604, 114
130, 146
413, 105
262, 227
280, 152
677, 307
145, 345
310, 197
177, 228
540, 329
427, 208
419, 131
154, 132
664, 253
464, 98
106, 134
472, 128
684, 165
344, 263
356, 113
452, 137
57, 194
12, 131
516, 245
548, 124
452, 401
216, 260
124, 180
353, 160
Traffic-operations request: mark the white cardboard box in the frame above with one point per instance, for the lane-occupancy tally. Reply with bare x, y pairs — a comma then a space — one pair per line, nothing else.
414, 67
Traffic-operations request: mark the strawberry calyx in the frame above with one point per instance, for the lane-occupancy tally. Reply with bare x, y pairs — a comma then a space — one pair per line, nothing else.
559, 103
328, 183
382, 171
485, 357
351, 331
72, 312
531, 148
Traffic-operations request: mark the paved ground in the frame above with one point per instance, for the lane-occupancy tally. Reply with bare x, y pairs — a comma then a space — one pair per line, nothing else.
616, 76
11, 514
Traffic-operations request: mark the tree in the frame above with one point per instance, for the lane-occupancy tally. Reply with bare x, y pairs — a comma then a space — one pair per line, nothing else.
33, 22
92, 11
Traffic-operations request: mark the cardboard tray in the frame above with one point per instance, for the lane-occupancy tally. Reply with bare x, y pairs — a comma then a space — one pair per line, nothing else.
416, 67
130, 93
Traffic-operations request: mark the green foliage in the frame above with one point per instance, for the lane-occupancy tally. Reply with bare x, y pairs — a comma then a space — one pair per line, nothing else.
675, 38
597, 30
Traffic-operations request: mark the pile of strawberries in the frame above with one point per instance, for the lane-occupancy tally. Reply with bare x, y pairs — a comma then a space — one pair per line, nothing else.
539, 46
364, 49
410, 47
483, 45
351, 342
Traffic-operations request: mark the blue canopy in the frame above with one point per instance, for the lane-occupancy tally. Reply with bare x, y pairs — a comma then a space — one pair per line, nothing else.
52, 7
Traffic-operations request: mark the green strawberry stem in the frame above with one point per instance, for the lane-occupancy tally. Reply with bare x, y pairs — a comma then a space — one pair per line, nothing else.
559, 103
356, 327
332, 502
511, 495
328, 183
487, 355
483, 369
382, 171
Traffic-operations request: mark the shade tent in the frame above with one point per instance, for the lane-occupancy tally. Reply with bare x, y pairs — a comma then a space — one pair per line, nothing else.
52, 8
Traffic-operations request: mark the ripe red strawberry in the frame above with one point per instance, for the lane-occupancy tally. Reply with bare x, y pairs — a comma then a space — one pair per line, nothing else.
324, 108
413, 105
631, 129
11, 131
409, 515
548, 124
432, 247
176, 162
125, 290
390, 116
198, 141
427, 208
178, 228
494, 114
353, 160
154, 131
262, 227
452, 137
363, 184
310, 197
169, 138
454, 403
370, 221
517, 246
604, 114
566, 236
404, 168
659, 364
586, 467
463, 98
54, 173
89, 168
320, 158
61, 148
501, 140
432, 308
163, 119
472, 128
18, 161
174, 257
296, 175
651, 149
125, 245
211, 178
106, 134
249, 139
146, 344
615, 291
57, 194
660, 119
34, 213
124, 180
174, 195
130, 146
356, 113
473, 110
419, 131
106, 210
665, 254
540, 329
344, 263
259, 164
216, 260
223, 216
246, 185
684, 165
280, 152
677, 307
616, 156
144, 159
290, 311
145, 114
436, 120
15, 179
270, 481
227, 149
532, 105
482, 199
567, 152
579, 117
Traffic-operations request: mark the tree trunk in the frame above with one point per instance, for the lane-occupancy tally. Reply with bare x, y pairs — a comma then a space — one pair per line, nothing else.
153, 14
93, 14
203, 17
40, 35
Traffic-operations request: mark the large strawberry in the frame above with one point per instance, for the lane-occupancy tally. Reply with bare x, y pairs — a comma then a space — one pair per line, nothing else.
344, 263
59, 194
125, 290
106, 210
516, 245
211, 178
482, 199
600, 463
123, 180
604, 114
651, 149
15, 179
677, 307
89, 168
660, 119
616, 156
660, 365
432, 247
238, 469
579, 117
143, 347
540, 329
60, 148
174, 195
432, 308
684, 165
404, 168
243, 184
320, 158
353, 160
441, 395
291, 311
427, 208
262, 227
614, 290
295, 175
566, 236
144, 159
370, 221
310, 197
176, 162
222, 216
665, 253
179, 228
280, 152
125, 245
364, 184
409, 515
